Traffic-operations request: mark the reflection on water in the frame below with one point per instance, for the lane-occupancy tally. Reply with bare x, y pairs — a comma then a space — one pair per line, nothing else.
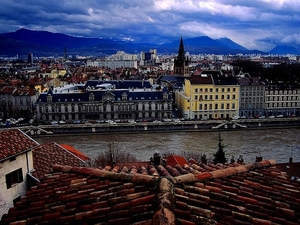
270, 144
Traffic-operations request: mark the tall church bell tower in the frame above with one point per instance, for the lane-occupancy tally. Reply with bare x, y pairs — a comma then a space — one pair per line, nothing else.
181, 62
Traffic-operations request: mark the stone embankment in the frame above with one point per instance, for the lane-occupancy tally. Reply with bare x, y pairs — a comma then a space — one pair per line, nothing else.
207, 125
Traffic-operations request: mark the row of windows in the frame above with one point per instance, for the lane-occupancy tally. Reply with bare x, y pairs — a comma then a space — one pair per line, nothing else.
282, 92
124, 98
97, 108
252, 93
210, 97
216, 106
257, 99
252, 106
215, 89
282, 104
252, 88
49, 100
280, 98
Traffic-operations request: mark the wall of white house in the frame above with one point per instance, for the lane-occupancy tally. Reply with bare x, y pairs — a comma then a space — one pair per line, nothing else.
7, 196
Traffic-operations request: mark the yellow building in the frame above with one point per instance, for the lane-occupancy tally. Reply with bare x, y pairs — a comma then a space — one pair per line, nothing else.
208, 96
56, 73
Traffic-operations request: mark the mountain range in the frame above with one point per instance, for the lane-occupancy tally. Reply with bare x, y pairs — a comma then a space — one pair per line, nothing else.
44, 43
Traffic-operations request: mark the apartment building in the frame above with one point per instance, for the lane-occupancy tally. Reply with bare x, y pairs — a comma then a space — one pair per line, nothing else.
281, 100
252, 97
209, 95
17, 102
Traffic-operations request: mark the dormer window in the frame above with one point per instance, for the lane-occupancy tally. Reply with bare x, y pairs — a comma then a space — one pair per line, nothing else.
92, 97
165, 96
124, 97
49, 98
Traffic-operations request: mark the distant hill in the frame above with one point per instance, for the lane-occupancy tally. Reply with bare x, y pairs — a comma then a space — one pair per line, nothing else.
12, 47
231, 44
283, 50
44, 43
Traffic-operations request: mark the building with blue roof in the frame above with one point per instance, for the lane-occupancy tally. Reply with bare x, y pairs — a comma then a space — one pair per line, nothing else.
107, 100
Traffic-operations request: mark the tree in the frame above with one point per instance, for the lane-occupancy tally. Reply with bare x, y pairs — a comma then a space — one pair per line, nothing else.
219, 156
113, 154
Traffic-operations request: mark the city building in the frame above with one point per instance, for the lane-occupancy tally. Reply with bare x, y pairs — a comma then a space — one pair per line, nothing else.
252, 97
282, 101
148, 58
30, 58
16, 165
208, 95
113, 64
17, 102
107, 100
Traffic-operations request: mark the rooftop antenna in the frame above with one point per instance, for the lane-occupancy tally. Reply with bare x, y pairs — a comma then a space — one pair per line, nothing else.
65, 53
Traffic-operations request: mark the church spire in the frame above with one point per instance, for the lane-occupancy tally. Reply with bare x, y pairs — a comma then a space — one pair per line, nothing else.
181, 52
181, 62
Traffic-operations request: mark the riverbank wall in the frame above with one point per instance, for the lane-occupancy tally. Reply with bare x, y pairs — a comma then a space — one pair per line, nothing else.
186, 126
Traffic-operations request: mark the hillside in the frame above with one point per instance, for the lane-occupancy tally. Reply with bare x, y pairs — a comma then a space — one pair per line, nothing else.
44, 43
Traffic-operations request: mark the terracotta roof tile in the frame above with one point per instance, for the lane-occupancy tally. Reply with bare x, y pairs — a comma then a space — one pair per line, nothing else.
14, 142
254, 193
75, 151
46, 155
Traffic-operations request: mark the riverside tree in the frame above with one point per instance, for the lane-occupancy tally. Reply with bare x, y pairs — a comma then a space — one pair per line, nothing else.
219, 156
113, 154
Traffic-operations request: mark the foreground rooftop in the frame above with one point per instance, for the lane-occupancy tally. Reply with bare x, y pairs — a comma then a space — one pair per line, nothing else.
142, 193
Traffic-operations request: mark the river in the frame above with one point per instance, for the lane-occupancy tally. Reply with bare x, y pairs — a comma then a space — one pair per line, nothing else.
277, 144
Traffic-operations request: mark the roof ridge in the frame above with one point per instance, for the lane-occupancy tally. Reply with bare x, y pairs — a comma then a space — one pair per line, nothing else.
224, 172
149, 179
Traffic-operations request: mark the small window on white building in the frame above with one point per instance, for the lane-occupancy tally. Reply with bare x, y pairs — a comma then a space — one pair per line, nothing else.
13, 178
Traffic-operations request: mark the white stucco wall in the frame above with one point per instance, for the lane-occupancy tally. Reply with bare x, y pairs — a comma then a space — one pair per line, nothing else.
8, 195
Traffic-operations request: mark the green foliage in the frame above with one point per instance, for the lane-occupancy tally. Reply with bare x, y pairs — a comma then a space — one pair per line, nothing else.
219, 156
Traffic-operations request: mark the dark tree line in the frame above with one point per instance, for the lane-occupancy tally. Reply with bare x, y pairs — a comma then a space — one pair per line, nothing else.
286, 72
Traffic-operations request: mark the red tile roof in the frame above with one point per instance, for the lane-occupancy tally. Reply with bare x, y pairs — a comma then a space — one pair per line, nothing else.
255, 193
174, 160
14, 142
46, 155
8, 90
201, 79
75, 151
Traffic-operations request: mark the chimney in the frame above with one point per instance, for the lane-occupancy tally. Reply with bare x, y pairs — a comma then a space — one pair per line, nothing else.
258, 158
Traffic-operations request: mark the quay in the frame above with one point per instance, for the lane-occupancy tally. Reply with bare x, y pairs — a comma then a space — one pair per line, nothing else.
198, 125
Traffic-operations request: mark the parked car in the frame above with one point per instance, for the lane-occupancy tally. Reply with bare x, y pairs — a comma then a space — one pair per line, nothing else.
54, 122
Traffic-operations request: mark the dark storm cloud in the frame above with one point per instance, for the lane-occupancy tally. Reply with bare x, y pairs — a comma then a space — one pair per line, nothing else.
256, 24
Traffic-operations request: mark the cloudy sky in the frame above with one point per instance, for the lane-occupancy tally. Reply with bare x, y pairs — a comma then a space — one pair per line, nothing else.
254, 24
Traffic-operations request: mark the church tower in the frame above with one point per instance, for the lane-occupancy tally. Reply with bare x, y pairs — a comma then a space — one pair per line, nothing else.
181, 62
